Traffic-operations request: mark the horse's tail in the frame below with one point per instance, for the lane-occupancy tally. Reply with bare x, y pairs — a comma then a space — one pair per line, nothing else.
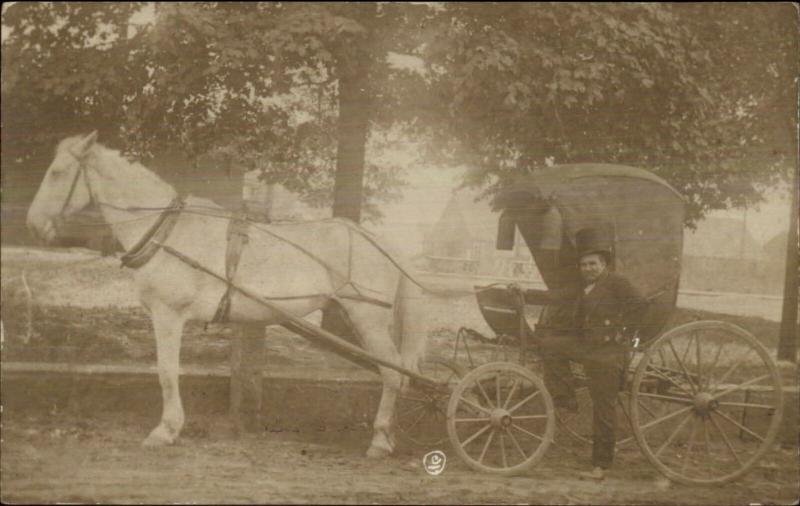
409, 327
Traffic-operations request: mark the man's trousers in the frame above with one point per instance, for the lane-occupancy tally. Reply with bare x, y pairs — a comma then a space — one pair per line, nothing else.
604, 365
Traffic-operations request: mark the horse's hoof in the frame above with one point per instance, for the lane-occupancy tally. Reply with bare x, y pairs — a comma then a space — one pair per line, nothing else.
152, 442
158, 438
376, 452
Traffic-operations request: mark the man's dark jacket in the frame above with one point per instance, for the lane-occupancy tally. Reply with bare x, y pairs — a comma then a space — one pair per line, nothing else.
612, 310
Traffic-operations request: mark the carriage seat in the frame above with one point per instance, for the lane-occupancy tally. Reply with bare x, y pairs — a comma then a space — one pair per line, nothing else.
502, 311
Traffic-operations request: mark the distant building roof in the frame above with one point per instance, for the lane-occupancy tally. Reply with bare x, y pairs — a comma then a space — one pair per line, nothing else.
721, 238
479, 219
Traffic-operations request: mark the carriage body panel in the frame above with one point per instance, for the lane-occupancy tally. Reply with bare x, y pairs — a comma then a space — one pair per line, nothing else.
640, 212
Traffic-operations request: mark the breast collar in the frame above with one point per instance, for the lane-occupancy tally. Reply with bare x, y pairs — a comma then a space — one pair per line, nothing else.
146, 247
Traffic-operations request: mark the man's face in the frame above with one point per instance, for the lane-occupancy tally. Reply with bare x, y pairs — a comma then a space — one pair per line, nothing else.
592, 267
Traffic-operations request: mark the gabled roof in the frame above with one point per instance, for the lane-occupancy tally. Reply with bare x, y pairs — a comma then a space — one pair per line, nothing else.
479, 219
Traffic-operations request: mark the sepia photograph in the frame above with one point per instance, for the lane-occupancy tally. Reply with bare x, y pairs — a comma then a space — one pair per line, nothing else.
399, 253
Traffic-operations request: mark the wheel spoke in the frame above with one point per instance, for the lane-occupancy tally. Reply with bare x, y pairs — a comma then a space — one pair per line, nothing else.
470, 420
497, 389
516, 443
419, 419
725, 438
486, 446
688, 347
668, 441
707, 439
713, 365
416, 399
485, 395
645, 407
526, 432
474, 436
503, 450
476, 406
530, 417
737, 424
665, 418
740, 386
682, 400
732, 368
523, 401
624, 411
670, 380
683, 368
511, 393
689, 448
698, 354
414, 409
746, 405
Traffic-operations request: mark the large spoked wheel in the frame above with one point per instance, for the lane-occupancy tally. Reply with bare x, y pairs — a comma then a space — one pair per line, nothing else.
422, 412
706, 402
500, 419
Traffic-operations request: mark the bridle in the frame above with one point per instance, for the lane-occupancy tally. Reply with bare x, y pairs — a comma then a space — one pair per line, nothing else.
143, 249
80, 170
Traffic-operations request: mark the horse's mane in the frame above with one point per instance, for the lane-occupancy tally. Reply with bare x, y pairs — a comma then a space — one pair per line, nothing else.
123, 166
114, 159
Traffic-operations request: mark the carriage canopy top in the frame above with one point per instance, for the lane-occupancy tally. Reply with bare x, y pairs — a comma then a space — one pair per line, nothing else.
640, 212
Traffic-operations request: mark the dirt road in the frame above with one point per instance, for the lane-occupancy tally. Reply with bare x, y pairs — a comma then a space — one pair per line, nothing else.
60, 458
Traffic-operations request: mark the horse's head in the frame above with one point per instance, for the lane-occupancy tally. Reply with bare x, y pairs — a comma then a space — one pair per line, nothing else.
64, 190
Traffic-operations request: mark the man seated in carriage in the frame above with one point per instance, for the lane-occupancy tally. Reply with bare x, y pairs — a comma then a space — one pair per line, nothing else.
590, 323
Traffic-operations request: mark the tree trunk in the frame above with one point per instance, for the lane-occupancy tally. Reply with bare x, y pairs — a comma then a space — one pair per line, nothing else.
353, 127
787, 341
352, 139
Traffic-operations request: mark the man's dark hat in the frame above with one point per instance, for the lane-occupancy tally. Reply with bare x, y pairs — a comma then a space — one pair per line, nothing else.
592, 240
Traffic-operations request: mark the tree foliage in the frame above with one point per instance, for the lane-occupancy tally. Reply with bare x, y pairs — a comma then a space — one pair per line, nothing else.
638, 84
703, 96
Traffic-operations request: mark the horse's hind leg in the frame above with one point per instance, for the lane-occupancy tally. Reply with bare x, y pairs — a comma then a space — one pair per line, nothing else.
168, 328
373, 326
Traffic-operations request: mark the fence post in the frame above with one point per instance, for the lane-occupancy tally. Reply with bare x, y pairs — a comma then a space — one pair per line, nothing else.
247, 362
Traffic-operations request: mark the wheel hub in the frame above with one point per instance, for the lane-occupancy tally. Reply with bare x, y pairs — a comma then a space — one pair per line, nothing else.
500, 418
704, 403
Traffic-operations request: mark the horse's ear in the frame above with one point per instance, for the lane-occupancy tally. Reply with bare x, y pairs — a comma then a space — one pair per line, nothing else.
84, 144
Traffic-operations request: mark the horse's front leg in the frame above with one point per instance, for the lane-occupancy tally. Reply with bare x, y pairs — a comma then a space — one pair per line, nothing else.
383, 440
168, 327
373, 325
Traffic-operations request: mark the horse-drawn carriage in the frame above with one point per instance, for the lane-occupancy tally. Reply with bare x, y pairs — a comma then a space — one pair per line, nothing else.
703, 400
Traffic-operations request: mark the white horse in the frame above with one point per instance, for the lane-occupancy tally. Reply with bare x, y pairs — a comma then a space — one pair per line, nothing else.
302, 266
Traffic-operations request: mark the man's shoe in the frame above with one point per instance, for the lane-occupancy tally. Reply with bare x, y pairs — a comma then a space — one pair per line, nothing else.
596, 474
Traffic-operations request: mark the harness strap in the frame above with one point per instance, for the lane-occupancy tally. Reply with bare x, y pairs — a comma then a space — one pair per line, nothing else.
237, 239
141, 252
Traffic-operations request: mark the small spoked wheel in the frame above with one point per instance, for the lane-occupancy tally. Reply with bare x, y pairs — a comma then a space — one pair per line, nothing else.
500, 419
422, 412
706, 402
